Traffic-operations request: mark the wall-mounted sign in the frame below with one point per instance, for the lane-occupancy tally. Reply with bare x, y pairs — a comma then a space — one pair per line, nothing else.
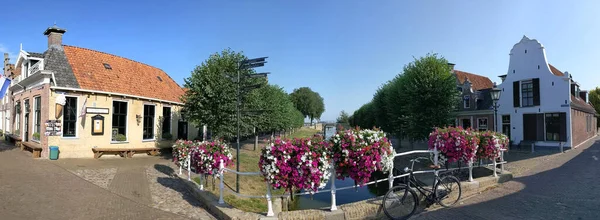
53, 128
94, 110
98, 125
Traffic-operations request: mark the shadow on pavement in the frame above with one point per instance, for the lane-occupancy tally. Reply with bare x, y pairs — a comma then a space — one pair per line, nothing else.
564, 188
167, 170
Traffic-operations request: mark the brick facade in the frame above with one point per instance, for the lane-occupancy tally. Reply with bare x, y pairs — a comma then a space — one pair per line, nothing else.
582, 131
42, 91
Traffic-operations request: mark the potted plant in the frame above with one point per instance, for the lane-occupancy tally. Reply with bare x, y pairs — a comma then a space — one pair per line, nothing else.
36, 136
17, 133
121, 137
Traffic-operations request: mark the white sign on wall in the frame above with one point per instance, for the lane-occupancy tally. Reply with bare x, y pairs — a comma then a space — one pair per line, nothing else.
96, 110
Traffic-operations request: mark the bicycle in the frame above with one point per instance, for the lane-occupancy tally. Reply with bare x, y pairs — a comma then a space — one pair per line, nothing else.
403, 199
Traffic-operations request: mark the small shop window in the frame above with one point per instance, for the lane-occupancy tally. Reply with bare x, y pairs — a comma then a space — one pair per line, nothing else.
70, 117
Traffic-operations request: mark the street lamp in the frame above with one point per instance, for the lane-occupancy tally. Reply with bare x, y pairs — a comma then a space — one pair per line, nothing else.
495, 97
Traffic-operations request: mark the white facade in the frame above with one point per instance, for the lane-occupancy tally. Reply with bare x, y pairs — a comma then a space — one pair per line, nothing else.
528, 61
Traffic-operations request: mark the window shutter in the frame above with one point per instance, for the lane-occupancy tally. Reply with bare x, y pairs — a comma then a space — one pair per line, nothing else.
536, 91
563, 126
516, 91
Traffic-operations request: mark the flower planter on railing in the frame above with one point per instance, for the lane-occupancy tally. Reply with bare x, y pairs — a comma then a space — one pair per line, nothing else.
490, 145
358, 153
299, 164
309, 164
454, 144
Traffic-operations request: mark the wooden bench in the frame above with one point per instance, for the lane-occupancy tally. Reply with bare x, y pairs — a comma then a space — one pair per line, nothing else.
149, 150
36, 149
16, 139
98, 152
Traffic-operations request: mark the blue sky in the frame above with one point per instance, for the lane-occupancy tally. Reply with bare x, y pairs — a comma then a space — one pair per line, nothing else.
342, 49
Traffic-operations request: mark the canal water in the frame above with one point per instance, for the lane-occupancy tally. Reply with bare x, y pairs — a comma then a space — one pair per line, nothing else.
322, 200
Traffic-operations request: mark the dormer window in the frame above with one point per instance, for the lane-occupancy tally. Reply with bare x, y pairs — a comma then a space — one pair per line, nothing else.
467, 101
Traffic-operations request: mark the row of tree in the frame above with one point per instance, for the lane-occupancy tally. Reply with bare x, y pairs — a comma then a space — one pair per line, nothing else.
420, 98
211, 96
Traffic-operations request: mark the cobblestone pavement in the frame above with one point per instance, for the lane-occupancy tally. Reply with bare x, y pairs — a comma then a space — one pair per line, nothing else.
169, 194
89, 189
560, 186
101, 177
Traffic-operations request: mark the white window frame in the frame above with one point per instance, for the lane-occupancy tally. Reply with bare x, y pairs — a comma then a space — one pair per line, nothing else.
467, 101
479, 123
522, 82
22, 118
154, 126
35, 119
126, 122
77, 120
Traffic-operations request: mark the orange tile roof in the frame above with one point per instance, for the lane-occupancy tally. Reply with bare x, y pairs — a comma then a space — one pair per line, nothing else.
477, 82
125, 76
555, 71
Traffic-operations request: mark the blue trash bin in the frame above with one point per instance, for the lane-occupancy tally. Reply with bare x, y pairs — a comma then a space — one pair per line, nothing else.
53, 152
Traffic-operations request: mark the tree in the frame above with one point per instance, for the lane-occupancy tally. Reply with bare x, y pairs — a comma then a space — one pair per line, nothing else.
309, 103
343, 118
594, 98
428, 91
211, 93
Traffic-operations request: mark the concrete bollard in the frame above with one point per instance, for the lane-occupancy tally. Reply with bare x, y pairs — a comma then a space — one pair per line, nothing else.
561, 145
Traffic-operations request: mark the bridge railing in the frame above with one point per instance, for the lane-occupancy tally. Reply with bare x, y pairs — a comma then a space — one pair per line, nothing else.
390, 179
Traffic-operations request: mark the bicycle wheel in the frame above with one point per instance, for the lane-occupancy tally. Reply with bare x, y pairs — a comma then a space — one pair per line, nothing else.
448, 191
400, 202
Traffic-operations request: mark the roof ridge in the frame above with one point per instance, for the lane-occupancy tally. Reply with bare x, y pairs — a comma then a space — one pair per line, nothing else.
113, 55
473, 74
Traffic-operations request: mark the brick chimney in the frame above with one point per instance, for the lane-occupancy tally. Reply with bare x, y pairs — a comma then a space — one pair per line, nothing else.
583, 95
54, 34
451, 65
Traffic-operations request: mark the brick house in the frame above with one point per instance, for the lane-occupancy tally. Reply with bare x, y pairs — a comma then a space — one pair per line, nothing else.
540, 104
475, 109
109, 101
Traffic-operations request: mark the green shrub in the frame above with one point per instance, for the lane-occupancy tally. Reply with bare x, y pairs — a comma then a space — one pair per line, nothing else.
121, 137
17, 133
167, 136
36, 136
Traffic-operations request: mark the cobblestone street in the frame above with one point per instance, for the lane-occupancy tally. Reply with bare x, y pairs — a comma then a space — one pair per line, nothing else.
558, 186
138, 188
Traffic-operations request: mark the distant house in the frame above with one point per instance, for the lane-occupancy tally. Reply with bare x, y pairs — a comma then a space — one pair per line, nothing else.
138, 104
475, 108
540, 104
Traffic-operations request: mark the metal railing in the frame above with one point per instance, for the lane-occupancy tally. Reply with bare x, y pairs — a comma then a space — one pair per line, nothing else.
332, 178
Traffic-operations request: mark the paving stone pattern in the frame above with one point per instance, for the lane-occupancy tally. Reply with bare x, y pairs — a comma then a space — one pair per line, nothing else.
100, 177
172, 195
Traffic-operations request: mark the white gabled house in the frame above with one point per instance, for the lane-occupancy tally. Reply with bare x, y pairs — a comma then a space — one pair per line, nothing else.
540, 104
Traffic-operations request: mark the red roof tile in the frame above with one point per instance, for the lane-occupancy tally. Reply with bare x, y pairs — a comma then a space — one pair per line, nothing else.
555, 71
124, 76
477, 82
